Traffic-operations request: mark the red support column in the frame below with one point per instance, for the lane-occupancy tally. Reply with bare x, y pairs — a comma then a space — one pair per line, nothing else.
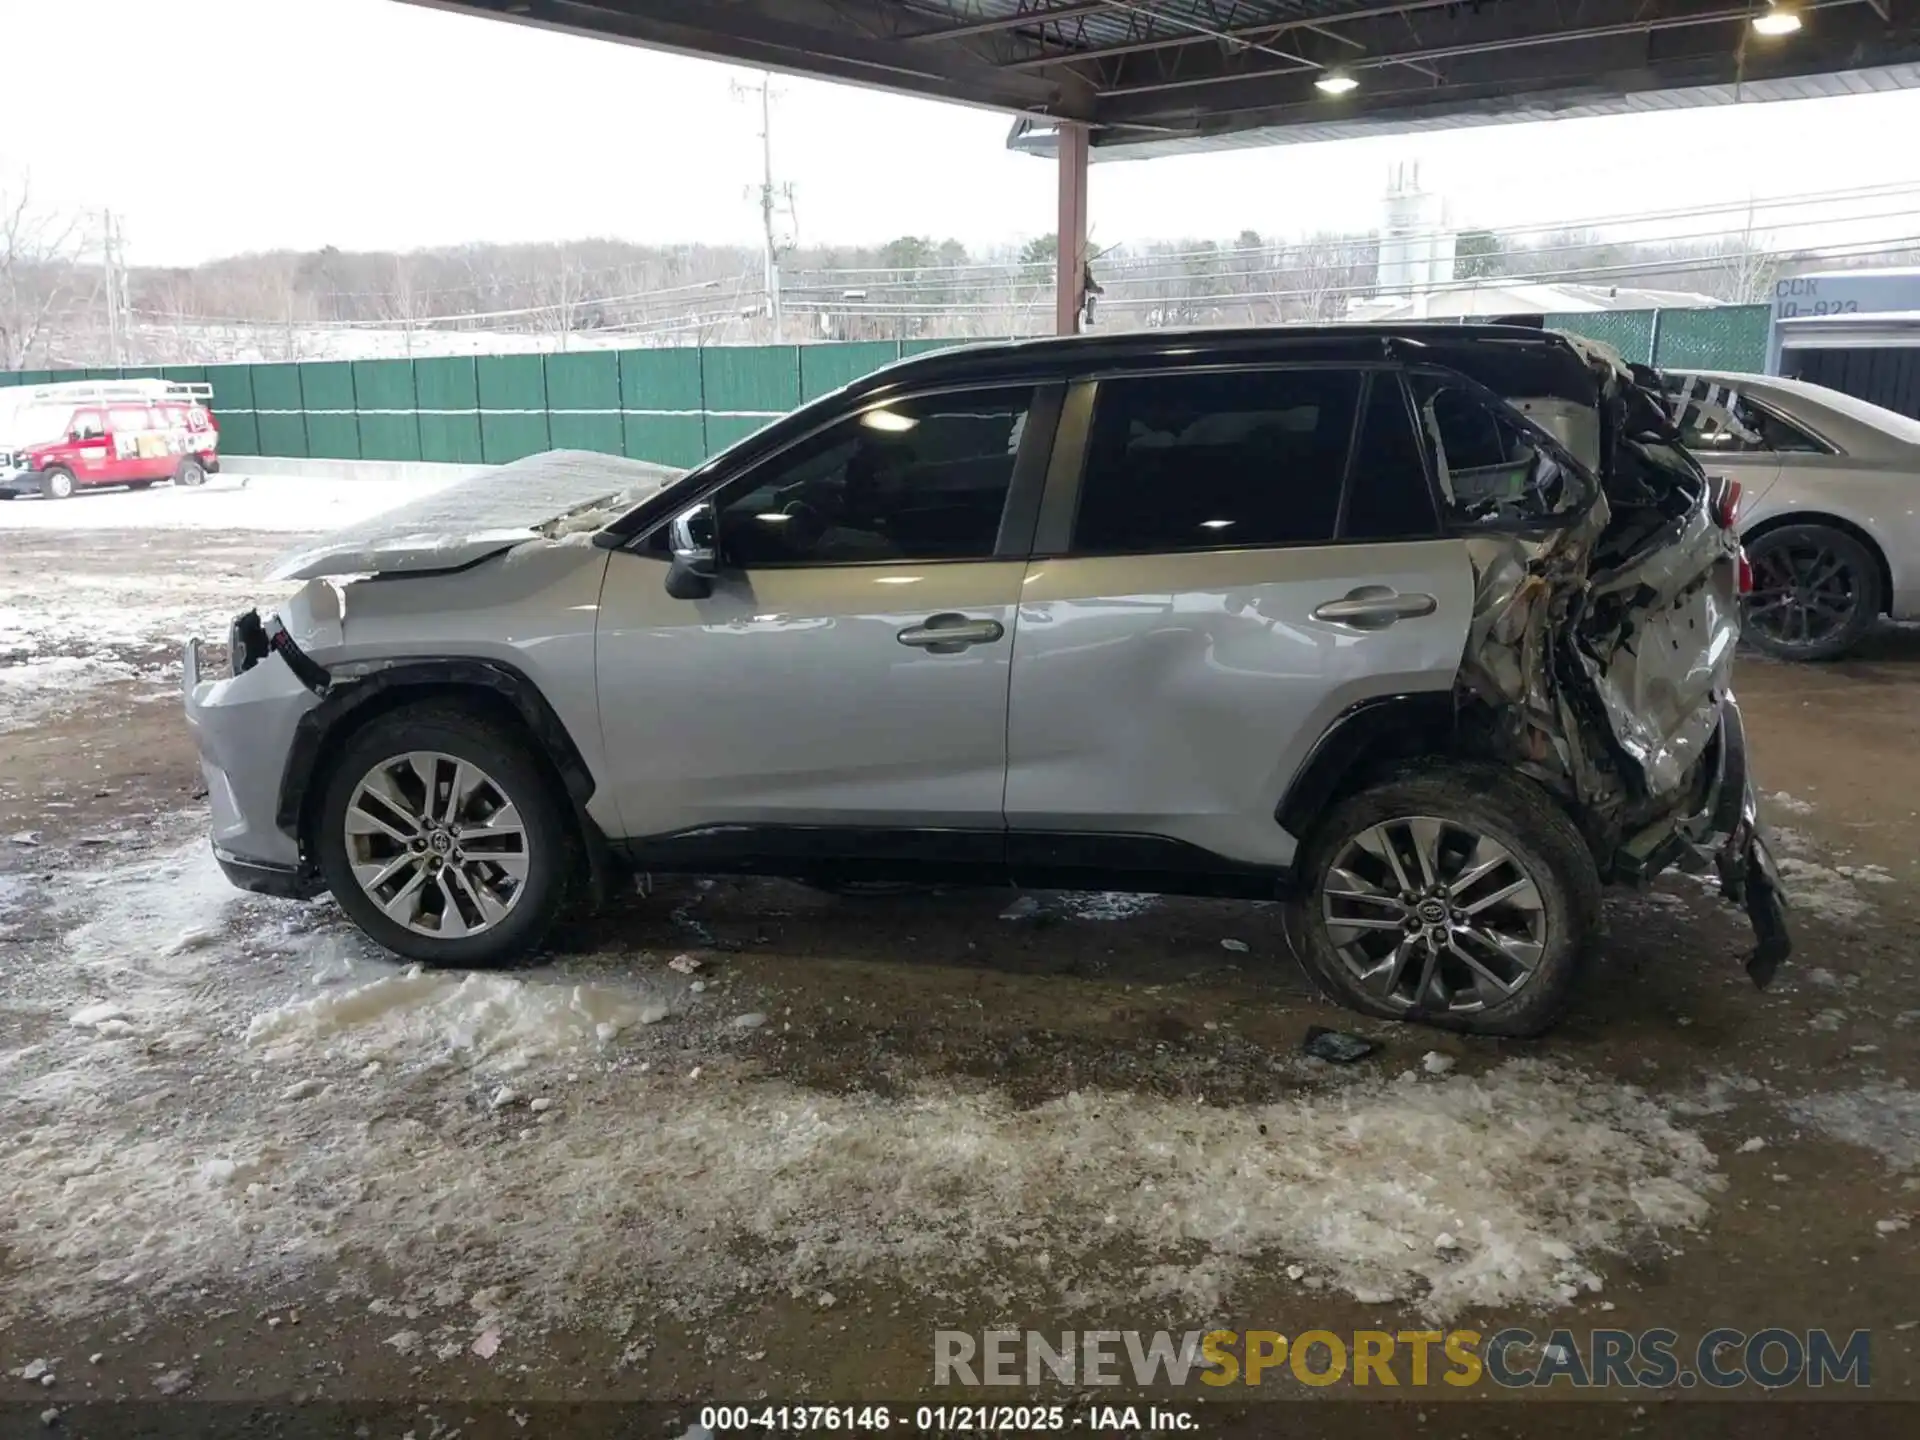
1070, 275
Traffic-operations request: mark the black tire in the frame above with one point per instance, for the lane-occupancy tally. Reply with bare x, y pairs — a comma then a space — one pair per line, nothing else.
1541, 842
190, 472
56, 483
1816, 592
523, 781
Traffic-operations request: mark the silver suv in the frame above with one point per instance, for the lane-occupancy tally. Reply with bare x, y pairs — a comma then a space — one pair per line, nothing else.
1426, 630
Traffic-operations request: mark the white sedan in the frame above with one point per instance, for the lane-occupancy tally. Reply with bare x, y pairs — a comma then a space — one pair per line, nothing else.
1829, 506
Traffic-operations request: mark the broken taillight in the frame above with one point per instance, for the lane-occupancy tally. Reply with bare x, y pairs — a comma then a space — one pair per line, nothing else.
1726, 505
1746, 572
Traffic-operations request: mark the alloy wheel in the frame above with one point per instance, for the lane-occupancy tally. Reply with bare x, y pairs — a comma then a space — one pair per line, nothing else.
1803, 594
437, 844
1431, 914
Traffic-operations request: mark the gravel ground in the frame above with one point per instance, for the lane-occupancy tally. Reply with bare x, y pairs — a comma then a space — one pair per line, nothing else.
738, 1138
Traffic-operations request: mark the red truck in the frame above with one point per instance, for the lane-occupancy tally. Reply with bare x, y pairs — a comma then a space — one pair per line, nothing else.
56, 438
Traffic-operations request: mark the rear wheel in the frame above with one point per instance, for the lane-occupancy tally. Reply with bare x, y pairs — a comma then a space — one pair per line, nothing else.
57, 483
1816, 592
444, 838
1455, 894
190, 472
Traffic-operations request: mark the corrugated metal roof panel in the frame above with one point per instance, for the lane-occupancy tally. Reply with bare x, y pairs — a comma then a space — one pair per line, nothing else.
1587, 106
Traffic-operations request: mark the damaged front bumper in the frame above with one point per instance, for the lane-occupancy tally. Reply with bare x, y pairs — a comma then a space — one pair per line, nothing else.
243, 727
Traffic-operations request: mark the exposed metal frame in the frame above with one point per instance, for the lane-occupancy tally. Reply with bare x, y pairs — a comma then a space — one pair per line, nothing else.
1146, 75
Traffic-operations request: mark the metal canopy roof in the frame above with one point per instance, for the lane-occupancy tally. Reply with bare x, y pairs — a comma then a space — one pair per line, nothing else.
1160, 76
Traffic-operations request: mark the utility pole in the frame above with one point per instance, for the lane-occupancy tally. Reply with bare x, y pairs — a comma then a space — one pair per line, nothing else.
110, 263
771, 197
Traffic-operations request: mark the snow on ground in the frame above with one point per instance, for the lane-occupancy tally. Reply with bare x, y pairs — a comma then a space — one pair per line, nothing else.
1879, 1117
228, 501
1826, 892
218, 1090
76, 616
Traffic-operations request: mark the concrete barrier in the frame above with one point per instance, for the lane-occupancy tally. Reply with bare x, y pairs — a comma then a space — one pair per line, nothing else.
388, 470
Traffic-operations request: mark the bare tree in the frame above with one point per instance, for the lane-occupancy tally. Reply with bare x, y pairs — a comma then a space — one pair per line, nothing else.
1324, 272
402, 301
1746, 269
37, 271
560, 291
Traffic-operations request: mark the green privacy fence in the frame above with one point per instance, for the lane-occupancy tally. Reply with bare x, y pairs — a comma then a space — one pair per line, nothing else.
671, 406
674, 407
1732, 337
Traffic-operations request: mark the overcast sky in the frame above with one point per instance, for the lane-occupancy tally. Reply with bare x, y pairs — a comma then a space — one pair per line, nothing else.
217, 126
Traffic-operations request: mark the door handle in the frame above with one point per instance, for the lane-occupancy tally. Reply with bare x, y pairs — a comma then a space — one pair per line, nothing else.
949, 633
1374, 607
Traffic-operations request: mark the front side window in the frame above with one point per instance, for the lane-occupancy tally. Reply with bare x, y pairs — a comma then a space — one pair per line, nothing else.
924, 478
1494, 471
1716, 419
89, 425
1210, 460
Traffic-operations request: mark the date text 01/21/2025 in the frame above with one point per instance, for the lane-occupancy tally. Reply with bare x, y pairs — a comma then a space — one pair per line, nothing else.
944, 1419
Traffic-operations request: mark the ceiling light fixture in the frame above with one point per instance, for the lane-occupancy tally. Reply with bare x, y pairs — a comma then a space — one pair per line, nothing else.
1776, 20
1336, 82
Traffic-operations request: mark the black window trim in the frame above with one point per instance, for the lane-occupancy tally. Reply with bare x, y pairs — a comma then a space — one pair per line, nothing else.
1025, 488
1053, 540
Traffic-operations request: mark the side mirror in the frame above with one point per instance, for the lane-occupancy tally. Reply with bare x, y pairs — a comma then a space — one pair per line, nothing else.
690, 534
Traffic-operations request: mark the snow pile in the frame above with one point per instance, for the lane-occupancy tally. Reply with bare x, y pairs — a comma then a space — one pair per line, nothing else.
1879, 1117
1825, 892
1449, 1194
33, 689
1822, 891
493, 1022
1104, 904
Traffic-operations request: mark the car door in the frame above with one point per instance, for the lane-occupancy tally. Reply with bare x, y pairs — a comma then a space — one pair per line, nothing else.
1244, 555
90, 451
849, 668
132, 440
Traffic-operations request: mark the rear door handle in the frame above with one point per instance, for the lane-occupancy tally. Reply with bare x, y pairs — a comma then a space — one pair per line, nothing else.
1374, 607
949, 633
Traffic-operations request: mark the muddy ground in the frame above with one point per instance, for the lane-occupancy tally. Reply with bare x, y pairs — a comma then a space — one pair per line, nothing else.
735, 1140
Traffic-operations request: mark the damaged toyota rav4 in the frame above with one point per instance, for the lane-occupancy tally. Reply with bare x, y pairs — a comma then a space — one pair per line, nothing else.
1427, 631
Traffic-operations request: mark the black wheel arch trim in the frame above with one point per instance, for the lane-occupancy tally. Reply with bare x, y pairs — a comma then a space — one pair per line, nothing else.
346, 698
1356, 733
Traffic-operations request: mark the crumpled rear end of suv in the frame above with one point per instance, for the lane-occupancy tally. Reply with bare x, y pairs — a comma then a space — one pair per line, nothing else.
1601, 659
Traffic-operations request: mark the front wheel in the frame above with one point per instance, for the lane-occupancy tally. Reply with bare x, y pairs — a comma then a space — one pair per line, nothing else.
1816, 592
190, 472
445, 839
1456, 894
57, 483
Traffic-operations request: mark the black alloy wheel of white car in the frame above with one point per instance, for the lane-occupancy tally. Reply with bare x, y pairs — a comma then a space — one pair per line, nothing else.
1816, 592
1453, 893
444, 838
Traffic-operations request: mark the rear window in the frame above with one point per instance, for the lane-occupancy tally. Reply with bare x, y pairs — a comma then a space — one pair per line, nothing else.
1216, 460
1714, 418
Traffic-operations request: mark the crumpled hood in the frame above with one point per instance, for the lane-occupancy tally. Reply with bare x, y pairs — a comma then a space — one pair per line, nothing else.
558, 493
